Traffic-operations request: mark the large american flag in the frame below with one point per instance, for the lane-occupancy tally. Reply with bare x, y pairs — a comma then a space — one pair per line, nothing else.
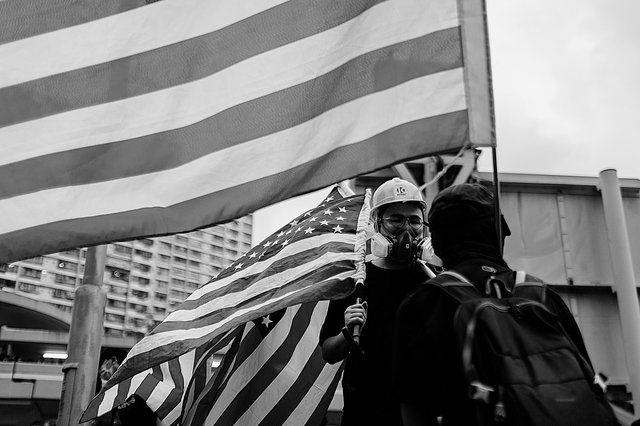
121, 119
317, 256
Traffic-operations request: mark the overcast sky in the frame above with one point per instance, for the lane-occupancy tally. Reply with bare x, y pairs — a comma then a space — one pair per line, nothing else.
566, 81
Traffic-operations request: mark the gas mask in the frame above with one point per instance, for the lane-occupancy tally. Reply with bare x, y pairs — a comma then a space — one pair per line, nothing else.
404, 248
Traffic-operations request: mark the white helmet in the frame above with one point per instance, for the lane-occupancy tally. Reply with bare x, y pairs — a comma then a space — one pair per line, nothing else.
395, 190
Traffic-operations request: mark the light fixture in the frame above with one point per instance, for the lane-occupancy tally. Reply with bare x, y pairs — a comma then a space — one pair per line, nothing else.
54, 355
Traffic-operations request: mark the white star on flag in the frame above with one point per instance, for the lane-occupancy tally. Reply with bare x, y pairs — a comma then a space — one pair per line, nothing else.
266, 321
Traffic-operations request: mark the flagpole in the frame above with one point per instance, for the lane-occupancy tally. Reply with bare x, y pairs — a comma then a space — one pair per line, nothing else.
85, 337
624, 282
496, 198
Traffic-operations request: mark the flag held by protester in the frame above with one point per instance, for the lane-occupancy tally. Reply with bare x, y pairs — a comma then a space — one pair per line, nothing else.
319, 255
124, 119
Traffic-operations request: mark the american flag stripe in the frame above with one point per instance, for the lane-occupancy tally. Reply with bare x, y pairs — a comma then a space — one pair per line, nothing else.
207, 396
28, 18
261, 389
315, 250
232, 202
149, 383
381, 26
177, 63
165, 23
275, 150
236, 295
297, 391
251, 380
325, 395
188, 105
428, 55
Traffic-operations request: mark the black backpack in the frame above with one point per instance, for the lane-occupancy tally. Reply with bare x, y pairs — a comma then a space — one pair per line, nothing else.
521, 366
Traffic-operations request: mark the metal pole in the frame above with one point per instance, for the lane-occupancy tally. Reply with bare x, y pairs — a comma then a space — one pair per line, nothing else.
623, 277
496, 198
81, 368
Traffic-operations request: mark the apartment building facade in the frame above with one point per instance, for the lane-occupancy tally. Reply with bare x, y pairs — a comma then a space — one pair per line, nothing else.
144, 279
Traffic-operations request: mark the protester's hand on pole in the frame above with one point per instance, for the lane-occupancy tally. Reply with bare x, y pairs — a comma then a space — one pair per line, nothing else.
355, 317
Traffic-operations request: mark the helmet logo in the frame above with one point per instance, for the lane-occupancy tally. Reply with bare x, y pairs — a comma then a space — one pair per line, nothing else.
401, 191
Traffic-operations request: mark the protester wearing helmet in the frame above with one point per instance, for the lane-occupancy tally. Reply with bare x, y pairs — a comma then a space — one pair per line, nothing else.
398, 219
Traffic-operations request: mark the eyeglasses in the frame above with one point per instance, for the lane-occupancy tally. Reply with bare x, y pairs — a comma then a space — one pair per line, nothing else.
396, 221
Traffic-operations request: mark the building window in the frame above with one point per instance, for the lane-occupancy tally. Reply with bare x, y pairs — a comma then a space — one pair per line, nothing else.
161, 285
64, 279
159, 310
182, 239
165, 245
178, 271
180, 260
142, 253
164, 258
118, 274
69, 266
114, 289
147, 242
29, 288
119, 248
31, 273
7, 283
114, 318
62, 294
141, 309
140, 294
36, 260
178, 294
175, 281
159, 296
8, 268
143, 281
64, 308
118, 304
141, 267
180, 249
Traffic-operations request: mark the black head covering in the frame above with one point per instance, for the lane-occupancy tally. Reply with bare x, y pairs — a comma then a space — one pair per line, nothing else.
462, 224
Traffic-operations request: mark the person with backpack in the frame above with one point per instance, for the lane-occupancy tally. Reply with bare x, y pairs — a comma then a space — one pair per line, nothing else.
482, 344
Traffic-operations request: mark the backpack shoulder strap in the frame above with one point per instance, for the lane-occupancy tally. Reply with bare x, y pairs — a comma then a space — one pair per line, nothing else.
530, 287
456, 286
